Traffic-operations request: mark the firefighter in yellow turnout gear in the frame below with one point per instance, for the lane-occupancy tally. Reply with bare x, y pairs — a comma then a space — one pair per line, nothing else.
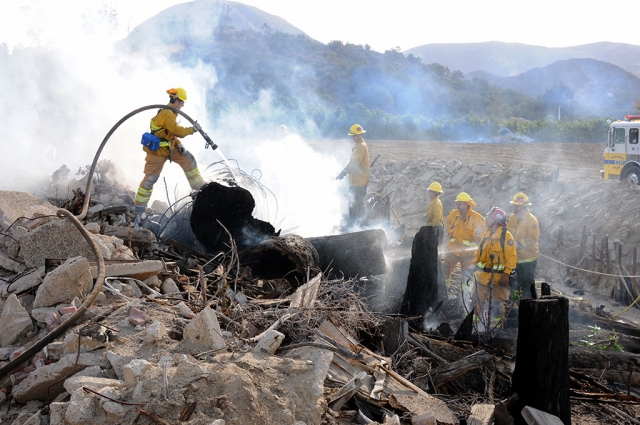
496, 256
435, 212
463, 227
359, 172
165, 126
525, 230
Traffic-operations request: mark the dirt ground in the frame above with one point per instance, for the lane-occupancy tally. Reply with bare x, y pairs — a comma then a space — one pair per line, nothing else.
575, 160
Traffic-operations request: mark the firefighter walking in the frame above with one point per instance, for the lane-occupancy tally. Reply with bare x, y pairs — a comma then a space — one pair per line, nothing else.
165, 126
495, 261
525, 230
463, 227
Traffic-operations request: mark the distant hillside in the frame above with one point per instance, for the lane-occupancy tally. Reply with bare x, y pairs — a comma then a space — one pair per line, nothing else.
200, 18
594, 87
510, 59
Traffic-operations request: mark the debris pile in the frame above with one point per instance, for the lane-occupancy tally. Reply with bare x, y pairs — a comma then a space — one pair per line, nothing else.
182, 336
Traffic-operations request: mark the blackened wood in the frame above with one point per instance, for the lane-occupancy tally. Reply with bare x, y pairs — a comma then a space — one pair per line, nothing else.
422, 282
541, 375
591, 358
465, 330
231, 206
290, 256
579, 316
352, 254
545, 289
453, 371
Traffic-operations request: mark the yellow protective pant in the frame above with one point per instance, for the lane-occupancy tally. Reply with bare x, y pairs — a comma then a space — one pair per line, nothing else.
451, 259
153, 167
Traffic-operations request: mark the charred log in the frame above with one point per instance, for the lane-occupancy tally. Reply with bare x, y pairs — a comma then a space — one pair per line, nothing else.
541, 376
422, 282
289, 256
217, 205
352, 254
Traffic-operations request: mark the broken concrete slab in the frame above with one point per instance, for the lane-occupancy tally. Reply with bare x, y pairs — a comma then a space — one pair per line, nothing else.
35, 386
58, 239
14, 205
76, 382
11, 264
203, 332
140, 270
26, 282
71, 279
14, 321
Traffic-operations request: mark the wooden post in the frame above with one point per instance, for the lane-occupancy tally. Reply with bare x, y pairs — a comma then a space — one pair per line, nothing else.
619, 254
593, 253
560, 237
635, 268
601, 259
583, 245
541, 375
422, 282
607, 256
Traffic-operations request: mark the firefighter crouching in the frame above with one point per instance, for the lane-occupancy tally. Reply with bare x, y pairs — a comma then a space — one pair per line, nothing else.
526, 232
463, 227
165, 126
496, 257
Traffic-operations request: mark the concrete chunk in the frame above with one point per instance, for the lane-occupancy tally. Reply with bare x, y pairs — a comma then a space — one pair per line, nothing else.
138, 270
14, 321
26, 282
76, 382
34, 386
203, 331
71, 279
10, 264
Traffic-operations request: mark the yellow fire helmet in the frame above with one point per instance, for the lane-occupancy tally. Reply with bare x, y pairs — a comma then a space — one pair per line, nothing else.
180, 93
356, 129
435, 187
464, 197
520, 199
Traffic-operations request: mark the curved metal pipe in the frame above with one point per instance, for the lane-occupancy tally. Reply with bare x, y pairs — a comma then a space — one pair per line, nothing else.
70, 321
87, 195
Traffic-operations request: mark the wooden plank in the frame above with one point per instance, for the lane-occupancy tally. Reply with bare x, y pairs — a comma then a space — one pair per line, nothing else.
538, 417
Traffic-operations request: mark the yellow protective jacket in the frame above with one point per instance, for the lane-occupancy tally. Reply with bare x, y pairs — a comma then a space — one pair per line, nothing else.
165, 126
464, 234
358, 166
526, 232
435, 213
504, 258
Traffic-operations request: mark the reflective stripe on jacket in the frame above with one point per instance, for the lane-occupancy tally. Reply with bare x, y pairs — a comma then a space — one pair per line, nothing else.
359, 166
526, 232
504, 259
165, 126
463, 233
435, 213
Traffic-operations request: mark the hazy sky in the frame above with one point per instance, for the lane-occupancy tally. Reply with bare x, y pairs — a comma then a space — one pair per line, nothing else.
382, 24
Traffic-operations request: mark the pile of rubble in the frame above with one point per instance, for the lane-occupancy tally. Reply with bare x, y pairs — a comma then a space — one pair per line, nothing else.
489, 183
177, 336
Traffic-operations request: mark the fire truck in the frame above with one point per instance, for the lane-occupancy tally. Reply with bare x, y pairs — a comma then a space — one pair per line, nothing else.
622, 154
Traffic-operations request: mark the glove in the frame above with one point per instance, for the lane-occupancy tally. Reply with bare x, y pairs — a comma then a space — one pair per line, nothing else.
181, 149
504, 280
196, 127
341, 175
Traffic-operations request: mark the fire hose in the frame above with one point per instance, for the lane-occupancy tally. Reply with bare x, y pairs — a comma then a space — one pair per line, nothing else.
87, 196
75, 220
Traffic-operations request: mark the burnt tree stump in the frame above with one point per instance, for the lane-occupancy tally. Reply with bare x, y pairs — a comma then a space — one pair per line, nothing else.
352, 254
422, 282
541, 375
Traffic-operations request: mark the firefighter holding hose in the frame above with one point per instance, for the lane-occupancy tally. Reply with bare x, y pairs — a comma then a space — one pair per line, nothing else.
165, 127
358, 170
495, 262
